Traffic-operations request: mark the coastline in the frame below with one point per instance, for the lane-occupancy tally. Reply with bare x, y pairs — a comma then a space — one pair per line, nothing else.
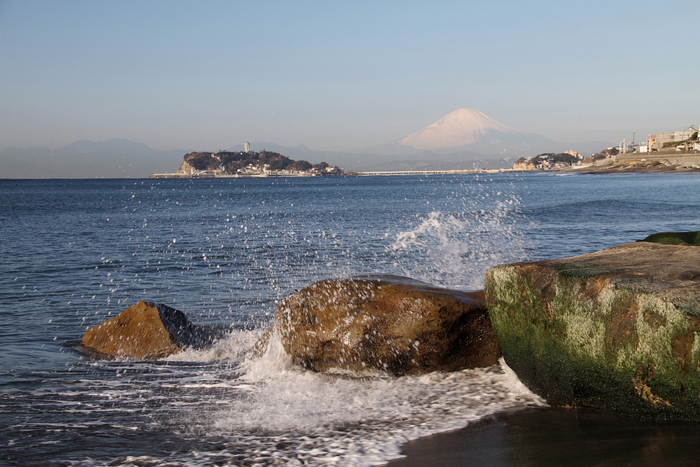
656, 162
358, 174
591, 170
626, 163
636, 166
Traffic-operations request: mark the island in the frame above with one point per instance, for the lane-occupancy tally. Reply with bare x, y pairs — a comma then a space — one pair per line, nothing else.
247, 164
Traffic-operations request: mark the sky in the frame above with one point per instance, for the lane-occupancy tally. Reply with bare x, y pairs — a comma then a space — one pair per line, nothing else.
339, 75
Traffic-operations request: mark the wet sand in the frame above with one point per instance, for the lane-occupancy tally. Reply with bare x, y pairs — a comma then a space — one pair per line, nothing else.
558, 437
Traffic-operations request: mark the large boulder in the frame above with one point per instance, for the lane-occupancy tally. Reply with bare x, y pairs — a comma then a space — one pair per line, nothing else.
615, 330
389, 323
146, 331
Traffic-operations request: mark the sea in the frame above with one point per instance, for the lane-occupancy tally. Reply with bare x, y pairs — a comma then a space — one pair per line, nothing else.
226, 252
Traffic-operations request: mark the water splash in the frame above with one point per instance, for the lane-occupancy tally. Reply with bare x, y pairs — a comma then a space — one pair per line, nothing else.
455, 249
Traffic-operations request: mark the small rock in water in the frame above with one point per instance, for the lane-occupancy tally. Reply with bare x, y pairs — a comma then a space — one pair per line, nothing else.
388, 323
146, 331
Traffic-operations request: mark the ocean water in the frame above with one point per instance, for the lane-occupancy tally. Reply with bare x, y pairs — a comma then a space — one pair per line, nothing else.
226, 251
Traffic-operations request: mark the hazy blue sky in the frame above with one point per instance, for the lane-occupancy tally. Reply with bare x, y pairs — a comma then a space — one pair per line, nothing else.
341, 75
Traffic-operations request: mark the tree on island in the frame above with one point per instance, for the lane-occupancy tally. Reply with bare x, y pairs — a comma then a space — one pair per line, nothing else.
300, 166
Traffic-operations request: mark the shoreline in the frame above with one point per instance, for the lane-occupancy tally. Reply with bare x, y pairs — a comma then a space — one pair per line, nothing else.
348, 174
591, 170
656, 163
556, 436
634, 167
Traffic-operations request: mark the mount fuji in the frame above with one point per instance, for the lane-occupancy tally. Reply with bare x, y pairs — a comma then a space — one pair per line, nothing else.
460, 128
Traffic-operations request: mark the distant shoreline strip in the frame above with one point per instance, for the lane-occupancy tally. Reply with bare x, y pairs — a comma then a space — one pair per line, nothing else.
361, 174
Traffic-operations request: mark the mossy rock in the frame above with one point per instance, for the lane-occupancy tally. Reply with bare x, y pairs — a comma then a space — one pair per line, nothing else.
675, 238
617, 330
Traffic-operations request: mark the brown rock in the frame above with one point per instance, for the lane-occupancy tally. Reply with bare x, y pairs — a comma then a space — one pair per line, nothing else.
388, 323
147, 331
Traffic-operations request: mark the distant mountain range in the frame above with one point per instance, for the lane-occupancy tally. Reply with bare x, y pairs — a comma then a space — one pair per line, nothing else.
116, 158
464, 139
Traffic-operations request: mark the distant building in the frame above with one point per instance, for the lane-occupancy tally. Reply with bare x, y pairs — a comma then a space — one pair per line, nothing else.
656, 142
246, 147
651, 143
626, 147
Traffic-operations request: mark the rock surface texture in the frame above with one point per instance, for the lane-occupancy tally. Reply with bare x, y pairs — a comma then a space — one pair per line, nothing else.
146, 331
388, 323
615, 330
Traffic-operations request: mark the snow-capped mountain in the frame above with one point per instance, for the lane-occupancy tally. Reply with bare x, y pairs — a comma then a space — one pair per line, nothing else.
460, 128
466, 135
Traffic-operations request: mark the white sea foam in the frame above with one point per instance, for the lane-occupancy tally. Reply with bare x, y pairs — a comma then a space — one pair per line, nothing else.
325, 419
234, 348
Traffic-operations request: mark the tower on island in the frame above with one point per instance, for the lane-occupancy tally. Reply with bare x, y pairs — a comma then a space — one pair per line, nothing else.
246, 147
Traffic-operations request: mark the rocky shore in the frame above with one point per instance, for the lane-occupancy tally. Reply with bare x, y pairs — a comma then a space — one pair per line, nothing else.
636, 166
616, 331
656, 162
611, 161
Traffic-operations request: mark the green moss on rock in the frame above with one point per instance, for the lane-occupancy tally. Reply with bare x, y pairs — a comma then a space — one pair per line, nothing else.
580, 336
675, 238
